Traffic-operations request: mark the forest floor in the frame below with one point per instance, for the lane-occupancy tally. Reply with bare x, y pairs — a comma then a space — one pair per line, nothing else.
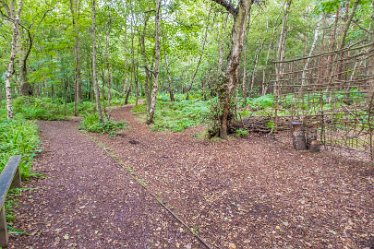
240, 193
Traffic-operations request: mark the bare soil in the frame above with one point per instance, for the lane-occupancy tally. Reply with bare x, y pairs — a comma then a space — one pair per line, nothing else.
241, 193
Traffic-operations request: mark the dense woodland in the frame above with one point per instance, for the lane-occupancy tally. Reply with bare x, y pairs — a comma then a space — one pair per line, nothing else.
206, 57
266, 109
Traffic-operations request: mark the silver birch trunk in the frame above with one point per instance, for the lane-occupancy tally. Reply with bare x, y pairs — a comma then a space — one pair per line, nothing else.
152, 108
15, 16
314, 43
94, 69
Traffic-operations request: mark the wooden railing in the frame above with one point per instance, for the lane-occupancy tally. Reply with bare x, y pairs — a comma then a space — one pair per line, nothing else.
10, 177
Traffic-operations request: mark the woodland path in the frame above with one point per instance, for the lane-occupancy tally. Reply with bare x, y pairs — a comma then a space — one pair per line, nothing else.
88, 200
241, 193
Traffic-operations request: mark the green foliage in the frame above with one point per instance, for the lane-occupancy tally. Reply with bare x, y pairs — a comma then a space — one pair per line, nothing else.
18, 137
39, 108
262, 102
91, 123
33, 108
176, 116
241, 132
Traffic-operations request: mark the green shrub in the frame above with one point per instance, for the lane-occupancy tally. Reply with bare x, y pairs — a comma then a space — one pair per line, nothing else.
18, 137
264, 101
91, 123
40, 108
175, 116
241, 132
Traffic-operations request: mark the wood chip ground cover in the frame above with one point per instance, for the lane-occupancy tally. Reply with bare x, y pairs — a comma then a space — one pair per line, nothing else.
241, 193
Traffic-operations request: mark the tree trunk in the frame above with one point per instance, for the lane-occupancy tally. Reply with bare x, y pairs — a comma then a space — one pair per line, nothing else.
255, 62
26, 88
227, 86
282, 41
314, 43
94, 69
152, 108
148, 76
348, 23
133, 73
15, 16
170, 80
136, 70
349, 19
108, 58
127, 93
244, 82
280, 57
201, 55
74, 8
221, 42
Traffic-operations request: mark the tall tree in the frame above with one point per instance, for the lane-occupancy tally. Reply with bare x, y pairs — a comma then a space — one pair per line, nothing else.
152, 108
228, 84
94, 64
201, 55
14, 17
75, 13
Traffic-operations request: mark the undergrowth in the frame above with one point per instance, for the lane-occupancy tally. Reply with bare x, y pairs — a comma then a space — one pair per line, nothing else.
91, 123
18, 137
176, 116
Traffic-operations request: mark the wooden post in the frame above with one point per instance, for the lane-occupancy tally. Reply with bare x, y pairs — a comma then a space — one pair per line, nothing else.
16, 183
4, 237
298, 135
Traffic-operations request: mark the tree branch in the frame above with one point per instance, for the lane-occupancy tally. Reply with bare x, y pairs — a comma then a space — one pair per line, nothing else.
231, 9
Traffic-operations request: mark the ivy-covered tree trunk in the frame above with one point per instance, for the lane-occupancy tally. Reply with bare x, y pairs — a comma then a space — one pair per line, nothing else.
94, 69
227, 86
15, 16
152, 107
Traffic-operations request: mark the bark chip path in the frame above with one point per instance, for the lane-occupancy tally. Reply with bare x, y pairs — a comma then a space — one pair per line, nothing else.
88, 201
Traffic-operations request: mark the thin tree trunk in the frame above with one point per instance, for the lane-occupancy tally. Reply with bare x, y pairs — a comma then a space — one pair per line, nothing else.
244, 82
170, 80
108, 57
148, 76
15, 16
280, 57
264, 84
201, 55
74, 8
345, 32
348, 23
94, 69
314, 43
136, 71
282, 41
151, 112
26, 88
255, 62
134, 68
127, 95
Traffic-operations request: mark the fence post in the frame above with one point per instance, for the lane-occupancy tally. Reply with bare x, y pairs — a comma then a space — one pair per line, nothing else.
16, 183
4, 237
